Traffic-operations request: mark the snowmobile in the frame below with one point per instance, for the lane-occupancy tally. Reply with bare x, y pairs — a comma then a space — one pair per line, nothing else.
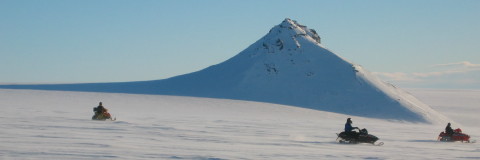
456, 136
363, 137
101, 115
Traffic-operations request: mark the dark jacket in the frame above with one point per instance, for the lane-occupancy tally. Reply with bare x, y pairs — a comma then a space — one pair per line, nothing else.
449, 130
348, 127
99, 110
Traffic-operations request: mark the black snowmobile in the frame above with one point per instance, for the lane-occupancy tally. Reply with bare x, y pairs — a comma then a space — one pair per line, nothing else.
359, 137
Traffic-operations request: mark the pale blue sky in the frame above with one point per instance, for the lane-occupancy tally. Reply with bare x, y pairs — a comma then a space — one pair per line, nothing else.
405, 42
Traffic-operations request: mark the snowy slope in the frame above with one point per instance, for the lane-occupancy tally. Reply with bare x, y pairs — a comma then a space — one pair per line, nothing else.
287, 66
455, 104
56, 125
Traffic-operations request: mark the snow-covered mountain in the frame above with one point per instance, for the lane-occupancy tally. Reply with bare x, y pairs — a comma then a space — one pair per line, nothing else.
287, 66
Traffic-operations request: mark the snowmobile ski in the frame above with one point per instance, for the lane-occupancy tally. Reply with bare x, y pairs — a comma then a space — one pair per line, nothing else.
378, 144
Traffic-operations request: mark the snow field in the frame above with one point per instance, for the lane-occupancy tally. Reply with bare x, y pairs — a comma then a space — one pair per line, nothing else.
57, 125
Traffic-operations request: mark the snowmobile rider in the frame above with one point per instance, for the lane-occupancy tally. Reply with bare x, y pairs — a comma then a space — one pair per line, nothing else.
100, 109
101, 113
349, 129
449, 130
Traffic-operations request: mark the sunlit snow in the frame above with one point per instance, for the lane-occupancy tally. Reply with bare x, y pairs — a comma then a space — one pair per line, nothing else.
57, 125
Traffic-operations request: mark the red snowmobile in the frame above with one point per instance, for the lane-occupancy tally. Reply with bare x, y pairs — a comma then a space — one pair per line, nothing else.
362, 137
456, 136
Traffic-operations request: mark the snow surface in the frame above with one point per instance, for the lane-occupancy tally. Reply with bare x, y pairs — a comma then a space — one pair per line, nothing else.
57, 125
287, 66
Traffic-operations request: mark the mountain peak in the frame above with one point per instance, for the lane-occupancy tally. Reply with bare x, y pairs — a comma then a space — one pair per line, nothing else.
288, 23
291, 30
